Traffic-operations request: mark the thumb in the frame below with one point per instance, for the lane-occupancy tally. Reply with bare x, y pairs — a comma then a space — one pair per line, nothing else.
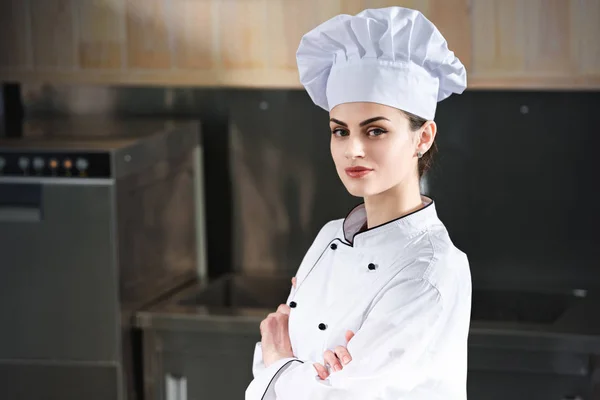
349, 335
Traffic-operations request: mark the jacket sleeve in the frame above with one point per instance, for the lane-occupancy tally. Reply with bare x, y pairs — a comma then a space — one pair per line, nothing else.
389, 352
258, 365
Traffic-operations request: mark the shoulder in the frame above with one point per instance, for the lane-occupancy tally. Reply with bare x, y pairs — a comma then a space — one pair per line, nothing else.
329, 231
439, 264
325, 236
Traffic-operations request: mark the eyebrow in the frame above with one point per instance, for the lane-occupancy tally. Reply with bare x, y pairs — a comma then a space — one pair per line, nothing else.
365, 122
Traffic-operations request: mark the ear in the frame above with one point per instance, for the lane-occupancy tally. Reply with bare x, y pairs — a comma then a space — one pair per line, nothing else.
426, 136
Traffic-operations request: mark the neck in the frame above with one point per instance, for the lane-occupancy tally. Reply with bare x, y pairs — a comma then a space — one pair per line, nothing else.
394, 203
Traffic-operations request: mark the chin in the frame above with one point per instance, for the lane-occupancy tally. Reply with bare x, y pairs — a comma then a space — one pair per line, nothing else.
359, 189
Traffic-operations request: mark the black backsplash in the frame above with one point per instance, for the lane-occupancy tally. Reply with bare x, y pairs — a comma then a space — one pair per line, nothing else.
515, 180
517, 185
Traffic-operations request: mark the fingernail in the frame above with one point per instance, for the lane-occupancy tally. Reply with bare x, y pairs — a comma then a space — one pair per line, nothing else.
336, 368
346, 360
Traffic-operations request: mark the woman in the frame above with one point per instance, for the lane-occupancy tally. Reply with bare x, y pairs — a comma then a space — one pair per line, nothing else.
380, 306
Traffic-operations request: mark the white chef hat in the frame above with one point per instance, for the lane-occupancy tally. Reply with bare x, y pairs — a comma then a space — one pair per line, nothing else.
392, 56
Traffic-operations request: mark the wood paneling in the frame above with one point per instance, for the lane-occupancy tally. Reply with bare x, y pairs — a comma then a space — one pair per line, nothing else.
498, 38
517, 39
585, 20
548, 46
288, 20
148, 34
252, 43
53, 43
243, 33
325, 10
193, 30
452, 18
421, 5
350, 7
100, 28
14, 34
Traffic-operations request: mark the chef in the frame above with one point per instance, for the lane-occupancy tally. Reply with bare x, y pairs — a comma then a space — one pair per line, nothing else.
380, 305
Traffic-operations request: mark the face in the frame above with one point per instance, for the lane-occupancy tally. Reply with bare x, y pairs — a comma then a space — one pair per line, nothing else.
374, 149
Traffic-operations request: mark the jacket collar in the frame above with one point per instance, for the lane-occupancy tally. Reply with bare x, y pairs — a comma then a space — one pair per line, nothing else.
399, 228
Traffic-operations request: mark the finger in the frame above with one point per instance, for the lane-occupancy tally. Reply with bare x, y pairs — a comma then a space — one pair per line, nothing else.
342, 354
284, 309
268, 320
349, 335
321, 370
264, 323
294, 282
330, 358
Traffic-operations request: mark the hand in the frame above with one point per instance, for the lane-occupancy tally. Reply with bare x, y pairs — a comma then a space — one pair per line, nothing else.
275, 336
336, 359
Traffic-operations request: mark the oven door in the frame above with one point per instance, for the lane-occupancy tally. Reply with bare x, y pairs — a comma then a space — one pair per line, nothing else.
59, 307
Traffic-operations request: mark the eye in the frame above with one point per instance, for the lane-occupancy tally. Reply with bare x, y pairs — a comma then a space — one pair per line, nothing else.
339, 132
376, 132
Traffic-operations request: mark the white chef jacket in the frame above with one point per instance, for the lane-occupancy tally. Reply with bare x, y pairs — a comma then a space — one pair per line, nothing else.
403, 288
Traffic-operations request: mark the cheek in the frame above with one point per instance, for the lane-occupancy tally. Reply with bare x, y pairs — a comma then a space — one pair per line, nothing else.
393, 157
337, 152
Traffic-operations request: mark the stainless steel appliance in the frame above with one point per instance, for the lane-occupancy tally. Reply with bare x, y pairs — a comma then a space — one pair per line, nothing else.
98, 218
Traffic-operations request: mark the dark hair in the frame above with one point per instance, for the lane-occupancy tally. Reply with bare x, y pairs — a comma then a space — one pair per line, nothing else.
426, 161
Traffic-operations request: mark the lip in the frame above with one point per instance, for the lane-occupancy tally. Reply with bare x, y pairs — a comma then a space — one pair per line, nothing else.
357, 172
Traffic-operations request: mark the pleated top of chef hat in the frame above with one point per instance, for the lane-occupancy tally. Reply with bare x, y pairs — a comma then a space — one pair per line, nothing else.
392, 56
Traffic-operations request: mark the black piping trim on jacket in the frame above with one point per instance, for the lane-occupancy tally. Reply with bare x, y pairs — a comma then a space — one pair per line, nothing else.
378, 226
275, 374
343, 241
316, 262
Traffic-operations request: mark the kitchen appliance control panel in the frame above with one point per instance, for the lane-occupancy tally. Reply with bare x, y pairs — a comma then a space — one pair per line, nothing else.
55, 164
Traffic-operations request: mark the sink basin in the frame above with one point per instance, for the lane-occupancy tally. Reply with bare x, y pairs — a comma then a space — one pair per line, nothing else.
241, 291
520, 306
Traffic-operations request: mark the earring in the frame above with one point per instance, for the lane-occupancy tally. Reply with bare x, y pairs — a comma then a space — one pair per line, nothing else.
419, 154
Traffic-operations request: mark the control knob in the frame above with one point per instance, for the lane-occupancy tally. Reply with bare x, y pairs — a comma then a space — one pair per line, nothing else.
82, 164
23, 163
38, 163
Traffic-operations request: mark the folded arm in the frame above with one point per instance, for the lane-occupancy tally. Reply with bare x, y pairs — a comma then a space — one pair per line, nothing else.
389, 353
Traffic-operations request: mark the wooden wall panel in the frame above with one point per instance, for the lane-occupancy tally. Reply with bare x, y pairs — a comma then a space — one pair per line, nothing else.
15, 35
585, 22
148, 34
498, 38
421, 5
533, 44
193, 29
548, 47
325, 10
453, 19
243, 34
100, 30
289, 21
52, 34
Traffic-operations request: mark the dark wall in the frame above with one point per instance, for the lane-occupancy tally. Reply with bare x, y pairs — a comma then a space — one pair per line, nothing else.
517, 184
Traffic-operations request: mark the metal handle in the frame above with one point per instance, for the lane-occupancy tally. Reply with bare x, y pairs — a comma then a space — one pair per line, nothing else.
176, 387
20, 214
20, 202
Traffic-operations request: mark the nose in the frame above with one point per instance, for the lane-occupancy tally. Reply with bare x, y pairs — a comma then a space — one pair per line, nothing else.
354, 147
